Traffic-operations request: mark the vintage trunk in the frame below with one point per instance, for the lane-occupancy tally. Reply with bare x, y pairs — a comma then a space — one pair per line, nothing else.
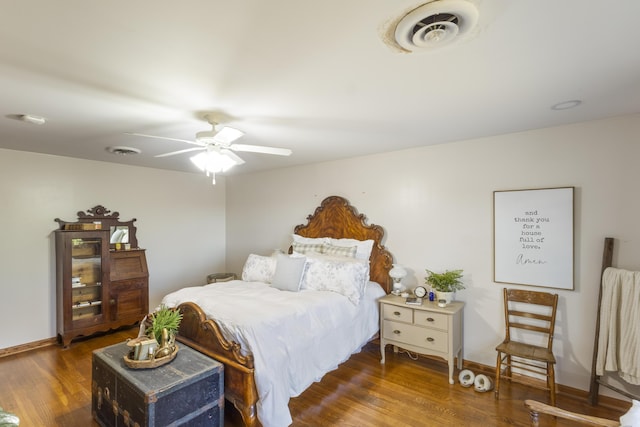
188, 391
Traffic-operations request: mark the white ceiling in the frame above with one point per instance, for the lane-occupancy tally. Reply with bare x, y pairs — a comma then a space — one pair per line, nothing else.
312, 76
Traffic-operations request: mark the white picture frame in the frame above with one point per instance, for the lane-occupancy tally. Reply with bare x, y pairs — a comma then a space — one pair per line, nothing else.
534, 237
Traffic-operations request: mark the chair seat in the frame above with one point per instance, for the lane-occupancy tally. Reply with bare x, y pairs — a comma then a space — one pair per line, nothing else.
528, 351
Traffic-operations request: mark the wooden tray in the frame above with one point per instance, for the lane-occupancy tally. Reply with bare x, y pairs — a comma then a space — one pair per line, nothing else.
148, 364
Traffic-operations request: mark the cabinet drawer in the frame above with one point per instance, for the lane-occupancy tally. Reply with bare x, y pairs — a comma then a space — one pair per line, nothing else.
427, 338
431, 320
401, 314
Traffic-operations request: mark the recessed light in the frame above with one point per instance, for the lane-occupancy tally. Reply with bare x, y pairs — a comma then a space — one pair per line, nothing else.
123, 151
565, 105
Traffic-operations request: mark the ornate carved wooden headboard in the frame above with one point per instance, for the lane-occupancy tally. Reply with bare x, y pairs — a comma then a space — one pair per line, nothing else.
336, 218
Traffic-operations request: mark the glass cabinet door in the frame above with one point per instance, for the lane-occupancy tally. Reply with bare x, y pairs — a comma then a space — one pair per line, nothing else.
86, 278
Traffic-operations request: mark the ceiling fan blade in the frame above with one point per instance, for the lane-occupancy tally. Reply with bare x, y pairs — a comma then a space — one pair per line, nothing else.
233, 155
261, 149
164, 137
227, 135
186, 150
220, 135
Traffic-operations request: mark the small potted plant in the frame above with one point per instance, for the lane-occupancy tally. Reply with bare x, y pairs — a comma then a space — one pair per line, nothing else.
445, 284
164, 318
155, 345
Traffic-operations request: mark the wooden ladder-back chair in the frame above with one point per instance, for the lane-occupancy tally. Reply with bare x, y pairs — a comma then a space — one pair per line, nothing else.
534, 313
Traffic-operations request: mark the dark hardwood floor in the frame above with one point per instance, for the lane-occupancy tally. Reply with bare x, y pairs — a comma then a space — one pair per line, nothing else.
51, 386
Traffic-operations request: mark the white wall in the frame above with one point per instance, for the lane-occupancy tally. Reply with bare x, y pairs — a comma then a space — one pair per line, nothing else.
436, 206
180, 221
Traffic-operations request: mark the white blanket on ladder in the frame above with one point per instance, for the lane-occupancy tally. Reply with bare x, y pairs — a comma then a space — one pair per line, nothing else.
619, 339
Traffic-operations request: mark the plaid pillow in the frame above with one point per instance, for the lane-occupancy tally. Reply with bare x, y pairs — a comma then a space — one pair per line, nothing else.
342, 251
305, 248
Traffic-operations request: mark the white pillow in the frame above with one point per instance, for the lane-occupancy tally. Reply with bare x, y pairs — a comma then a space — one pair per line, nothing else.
259, 268
345, 276
310, 240
364, 247
288, 273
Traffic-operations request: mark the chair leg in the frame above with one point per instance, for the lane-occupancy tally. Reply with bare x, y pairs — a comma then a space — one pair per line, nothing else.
496, 388
535, 421
551, 379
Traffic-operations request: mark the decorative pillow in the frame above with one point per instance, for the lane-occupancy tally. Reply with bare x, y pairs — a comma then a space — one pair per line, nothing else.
345, 276
305, 248
309, 240
340, 251
259, 268
288, 273
364, 247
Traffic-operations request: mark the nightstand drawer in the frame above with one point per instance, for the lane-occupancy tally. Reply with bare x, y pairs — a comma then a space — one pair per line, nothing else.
431, 320
401, 314
415, 335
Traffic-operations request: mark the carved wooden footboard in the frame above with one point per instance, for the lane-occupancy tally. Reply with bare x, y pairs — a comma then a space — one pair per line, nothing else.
204, 335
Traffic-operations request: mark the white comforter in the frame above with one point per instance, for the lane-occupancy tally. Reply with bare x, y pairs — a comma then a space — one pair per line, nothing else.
295, 337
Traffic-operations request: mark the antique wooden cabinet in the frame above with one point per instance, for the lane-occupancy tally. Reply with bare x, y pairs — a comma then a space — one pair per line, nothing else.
189, 391
100, 284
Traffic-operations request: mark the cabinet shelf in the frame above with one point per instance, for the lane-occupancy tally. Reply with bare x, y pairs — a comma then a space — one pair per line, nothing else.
85, 304
85, 257
87, 286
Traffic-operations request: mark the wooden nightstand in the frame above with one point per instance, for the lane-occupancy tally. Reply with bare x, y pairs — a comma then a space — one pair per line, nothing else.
425, 329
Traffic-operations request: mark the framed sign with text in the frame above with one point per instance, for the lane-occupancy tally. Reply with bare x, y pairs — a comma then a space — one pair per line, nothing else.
533, 237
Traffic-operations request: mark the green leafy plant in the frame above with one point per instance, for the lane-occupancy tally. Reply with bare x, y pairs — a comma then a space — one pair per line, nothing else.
449, 281
164, 318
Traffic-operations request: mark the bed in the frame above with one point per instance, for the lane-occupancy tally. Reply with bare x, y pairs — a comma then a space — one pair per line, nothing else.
245, 369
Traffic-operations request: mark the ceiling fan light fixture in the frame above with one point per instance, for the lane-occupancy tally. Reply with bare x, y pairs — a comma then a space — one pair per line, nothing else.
213, 161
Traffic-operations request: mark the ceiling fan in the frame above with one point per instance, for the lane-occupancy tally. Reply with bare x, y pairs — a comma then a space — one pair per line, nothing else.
217, 146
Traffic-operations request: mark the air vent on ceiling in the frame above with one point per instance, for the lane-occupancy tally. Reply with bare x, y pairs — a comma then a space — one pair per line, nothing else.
123, 151
436, 24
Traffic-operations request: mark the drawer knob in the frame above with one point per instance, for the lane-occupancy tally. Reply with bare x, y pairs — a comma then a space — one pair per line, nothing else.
430, 339
396, 313
397, 332
430, 319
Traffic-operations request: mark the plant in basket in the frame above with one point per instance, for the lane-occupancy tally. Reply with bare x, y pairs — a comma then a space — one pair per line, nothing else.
156, 346
164, 318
